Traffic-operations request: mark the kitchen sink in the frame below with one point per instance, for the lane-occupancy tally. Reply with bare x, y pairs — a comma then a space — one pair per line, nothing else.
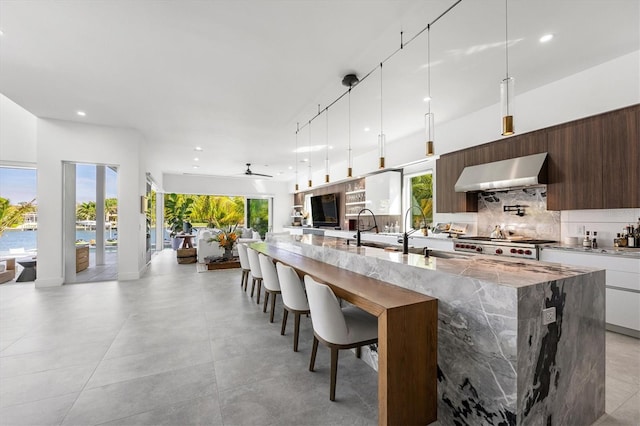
418, 250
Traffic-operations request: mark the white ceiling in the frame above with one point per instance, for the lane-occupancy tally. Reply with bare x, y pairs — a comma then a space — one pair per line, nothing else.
234, 76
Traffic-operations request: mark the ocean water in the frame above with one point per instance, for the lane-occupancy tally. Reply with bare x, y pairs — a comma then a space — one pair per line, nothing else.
12, 239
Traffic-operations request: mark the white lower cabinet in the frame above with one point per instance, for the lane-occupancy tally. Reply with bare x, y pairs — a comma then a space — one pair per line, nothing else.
622, 284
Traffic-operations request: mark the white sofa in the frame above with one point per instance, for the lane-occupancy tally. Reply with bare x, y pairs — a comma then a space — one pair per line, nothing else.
206, 248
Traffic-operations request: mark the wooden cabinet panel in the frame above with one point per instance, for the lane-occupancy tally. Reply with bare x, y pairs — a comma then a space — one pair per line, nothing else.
448, 169
503, 149
575, 165
621, 158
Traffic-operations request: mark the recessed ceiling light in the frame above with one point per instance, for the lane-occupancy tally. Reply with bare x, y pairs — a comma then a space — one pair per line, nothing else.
81, 113
196, 159
195, 166
290, 167
304, 160
197, 148
426, 99
1, 33
545, 38
366, 129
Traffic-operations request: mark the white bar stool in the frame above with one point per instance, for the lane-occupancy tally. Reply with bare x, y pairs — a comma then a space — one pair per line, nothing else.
256, 272
338, 328
293, 298
271, 282
244, 264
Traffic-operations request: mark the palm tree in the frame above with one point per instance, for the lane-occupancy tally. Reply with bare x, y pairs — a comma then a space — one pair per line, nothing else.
177, 209
218, 211
86, 211
12, 215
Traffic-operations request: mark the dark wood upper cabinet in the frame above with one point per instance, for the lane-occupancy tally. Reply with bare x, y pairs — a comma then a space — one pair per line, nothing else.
504, 149
575, 165
448, 169
621, 158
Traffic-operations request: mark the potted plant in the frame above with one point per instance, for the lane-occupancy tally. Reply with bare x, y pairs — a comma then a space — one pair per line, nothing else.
227, 240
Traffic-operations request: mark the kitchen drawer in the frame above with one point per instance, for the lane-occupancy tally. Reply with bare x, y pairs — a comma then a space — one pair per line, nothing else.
623, 308
627, 280
593, 260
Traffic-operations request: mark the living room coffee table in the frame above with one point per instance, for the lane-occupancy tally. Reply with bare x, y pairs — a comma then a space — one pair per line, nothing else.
224, 264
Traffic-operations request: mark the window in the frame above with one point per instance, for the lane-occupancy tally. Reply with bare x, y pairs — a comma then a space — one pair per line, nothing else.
421, 197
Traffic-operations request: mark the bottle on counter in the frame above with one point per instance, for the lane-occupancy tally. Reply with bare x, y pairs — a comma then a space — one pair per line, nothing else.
594, 242
623, 238
586, 243
631, 237
616, 240
396, 228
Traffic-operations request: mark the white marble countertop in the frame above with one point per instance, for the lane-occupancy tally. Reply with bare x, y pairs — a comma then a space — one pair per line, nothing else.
606, 251
503, 271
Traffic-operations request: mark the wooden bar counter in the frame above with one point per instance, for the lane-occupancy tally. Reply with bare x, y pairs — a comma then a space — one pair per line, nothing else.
407, 336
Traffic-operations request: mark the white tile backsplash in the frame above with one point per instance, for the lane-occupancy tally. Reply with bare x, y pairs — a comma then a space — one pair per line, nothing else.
606, 222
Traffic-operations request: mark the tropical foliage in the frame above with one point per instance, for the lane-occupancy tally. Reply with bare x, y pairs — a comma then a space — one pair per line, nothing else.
217, 211
259, 215
87, 211
13, 215
177, 209
422, 196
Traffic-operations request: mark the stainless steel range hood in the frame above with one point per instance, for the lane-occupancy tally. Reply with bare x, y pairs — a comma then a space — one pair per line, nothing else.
513, 173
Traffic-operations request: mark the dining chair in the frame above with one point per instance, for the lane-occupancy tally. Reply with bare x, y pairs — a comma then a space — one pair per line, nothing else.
293, 298
256, 273
271, 282
336, 327
244, 264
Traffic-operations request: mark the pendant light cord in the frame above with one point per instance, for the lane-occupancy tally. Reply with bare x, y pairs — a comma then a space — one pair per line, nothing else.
506, 37
381, 128
349, 127
402, 46
429, 66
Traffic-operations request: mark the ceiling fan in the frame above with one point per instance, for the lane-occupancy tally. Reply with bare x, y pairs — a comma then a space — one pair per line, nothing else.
248, 172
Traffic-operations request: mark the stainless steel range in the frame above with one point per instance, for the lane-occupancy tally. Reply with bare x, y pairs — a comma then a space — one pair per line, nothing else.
519, 248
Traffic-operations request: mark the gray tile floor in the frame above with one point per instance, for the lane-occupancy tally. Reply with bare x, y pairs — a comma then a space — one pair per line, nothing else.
180, 347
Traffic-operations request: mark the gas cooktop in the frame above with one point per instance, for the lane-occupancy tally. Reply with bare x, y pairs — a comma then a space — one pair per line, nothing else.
516, 247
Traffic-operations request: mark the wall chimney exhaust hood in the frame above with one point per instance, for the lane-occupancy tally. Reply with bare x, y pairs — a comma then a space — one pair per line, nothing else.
512, 173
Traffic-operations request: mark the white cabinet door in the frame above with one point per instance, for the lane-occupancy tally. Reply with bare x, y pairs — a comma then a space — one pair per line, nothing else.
383, 193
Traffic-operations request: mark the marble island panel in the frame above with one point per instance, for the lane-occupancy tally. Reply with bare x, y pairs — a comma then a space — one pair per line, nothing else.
497, 362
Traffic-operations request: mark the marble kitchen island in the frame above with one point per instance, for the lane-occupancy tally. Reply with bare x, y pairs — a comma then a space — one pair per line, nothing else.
497, 362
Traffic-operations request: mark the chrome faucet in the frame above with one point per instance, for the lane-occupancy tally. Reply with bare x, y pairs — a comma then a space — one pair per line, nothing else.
405, 236
358, 231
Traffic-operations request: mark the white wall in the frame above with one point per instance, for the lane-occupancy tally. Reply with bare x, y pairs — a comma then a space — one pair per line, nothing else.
240, 186
17, 134
60, 141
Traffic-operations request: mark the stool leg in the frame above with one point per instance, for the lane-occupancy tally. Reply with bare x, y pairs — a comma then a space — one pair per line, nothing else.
285, 314
314, 349
358, 351
273, 306
334, 373
253, 285
259, 290
246, 280
266, 300
296, 331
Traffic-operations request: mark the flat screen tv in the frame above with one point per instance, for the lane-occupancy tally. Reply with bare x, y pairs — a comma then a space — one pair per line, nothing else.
324, 210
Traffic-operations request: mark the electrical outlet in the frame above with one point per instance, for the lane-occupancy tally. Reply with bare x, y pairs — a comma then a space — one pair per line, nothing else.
549, 315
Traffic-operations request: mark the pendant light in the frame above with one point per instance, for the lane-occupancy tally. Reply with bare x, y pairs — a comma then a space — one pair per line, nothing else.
349, 159
381, 136
297, 130
326, 159
507, 89
429, 123
310, 183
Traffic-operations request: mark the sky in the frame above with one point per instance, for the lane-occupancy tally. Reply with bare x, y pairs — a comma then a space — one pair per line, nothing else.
19, 185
